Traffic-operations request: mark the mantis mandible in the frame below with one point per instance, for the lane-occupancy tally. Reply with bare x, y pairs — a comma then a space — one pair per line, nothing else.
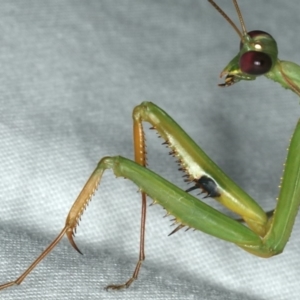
263, 236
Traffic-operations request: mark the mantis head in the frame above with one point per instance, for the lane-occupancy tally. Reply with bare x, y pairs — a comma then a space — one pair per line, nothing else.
257, 54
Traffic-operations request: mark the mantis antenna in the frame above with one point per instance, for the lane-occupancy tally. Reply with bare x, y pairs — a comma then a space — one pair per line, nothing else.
226, 17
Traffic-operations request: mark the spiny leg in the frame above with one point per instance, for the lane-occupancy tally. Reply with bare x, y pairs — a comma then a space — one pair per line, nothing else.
199, 168
69, 229
141, 113
80, 204
156, 187
263, 239
150, 113
194, 161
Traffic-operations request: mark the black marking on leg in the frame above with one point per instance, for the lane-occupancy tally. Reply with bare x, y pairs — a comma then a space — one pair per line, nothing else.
207, 185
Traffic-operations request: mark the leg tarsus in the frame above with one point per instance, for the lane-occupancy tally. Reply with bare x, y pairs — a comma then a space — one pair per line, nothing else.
37, 261
129, 281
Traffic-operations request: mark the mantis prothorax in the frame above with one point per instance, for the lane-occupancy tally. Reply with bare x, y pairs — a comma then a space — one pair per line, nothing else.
263, 235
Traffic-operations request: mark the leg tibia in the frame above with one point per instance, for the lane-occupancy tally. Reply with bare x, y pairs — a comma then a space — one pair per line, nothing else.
84, 197
187, 209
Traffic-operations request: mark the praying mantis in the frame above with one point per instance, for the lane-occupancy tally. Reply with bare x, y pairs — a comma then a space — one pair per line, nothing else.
211, 184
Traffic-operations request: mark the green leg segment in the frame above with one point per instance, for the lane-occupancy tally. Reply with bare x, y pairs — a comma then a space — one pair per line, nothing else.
192, 212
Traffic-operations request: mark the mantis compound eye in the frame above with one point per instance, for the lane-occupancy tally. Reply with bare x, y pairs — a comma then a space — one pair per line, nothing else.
255, 62
253, 34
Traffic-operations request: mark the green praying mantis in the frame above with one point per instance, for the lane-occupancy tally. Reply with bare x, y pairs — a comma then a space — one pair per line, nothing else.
263, 235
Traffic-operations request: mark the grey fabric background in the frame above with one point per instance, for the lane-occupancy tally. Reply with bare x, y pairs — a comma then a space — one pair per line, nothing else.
70, 74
